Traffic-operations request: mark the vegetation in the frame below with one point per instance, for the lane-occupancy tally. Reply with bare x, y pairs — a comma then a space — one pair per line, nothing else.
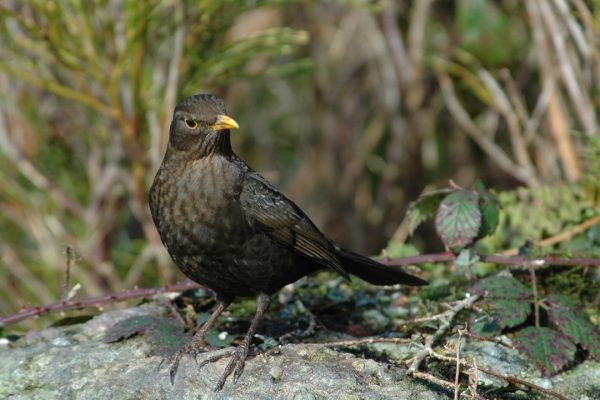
354, 108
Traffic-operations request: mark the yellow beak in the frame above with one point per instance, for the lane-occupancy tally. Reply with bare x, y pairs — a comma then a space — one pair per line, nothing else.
224, 122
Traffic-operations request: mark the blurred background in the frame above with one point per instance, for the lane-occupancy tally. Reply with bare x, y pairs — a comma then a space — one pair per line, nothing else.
352, 108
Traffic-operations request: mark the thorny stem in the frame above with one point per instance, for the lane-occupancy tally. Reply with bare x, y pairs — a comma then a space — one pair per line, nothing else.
537, 263
98, 301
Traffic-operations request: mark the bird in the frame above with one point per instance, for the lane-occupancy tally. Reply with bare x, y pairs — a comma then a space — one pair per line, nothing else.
228, 228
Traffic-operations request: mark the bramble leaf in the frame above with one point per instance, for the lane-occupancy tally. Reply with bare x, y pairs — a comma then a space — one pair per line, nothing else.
490, 215
499, 314
502, 287
458, 219
550, 350
563, 315
425, 207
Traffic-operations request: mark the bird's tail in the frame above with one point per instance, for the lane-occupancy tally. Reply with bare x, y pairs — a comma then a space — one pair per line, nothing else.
377, 273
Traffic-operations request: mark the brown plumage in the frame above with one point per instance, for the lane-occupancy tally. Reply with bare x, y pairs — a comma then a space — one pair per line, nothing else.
228, 228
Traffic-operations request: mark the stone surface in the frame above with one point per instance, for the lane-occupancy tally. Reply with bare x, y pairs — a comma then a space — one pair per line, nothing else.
73, 362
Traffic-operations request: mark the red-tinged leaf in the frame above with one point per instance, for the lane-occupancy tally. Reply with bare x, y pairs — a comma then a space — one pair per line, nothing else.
501, 287
458, 219
563, 314
425, 207
549, 350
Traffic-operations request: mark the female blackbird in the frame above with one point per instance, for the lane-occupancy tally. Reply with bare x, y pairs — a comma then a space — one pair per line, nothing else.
226, 227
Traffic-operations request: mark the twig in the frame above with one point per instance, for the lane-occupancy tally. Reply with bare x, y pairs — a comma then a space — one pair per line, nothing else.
70, 256
357, 342
507, 378
433, 379
94, 301
444, 326
464, 120
457, 373
538, 263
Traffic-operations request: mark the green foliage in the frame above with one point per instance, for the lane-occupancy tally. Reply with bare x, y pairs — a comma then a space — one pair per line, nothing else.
501, 287
460, 215
425, 207
550, 350
530, 214
573, 324
491, 34
499, 314
506, 304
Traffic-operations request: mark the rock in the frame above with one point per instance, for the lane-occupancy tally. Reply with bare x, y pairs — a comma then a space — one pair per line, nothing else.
74, 362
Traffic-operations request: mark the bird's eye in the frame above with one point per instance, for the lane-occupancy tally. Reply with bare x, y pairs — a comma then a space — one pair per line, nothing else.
191, 123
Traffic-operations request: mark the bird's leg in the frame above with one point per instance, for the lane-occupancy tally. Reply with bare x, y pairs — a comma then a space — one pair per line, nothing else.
197, 344
239, 355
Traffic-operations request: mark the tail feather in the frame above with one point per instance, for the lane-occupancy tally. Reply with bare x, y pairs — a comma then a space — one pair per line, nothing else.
377, 273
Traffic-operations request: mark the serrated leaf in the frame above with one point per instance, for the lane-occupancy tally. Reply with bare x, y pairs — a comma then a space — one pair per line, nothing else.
458, 219
550, 350
501, 287
509, 312
425, 207
499, 314
563, 315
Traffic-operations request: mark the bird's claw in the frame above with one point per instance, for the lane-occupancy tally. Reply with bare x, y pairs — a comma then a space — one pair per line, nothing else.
193, 349
236, 365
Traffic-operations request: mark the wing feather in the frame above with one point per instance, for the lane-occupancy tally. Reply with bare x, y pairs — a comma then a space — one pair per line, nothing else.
269, 211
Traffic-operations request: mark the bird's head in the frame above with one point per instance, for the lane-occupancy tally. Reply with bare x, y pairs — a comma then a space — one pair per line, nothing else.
201, 126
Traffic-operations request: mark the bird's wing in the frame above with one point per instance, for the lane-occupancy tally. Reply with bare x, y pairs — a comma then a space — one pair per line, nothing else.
269, 211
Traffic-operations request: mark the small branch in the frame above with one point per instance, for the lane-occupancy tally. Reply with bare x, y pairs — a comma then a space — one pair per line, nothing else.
433, 379
510, 379
457, 373
538, 263
445, 325
94, 301
357, 342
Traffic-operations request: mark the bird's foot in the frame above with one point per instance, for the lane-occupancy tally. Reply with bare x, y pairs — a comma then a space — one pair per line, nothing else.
193, 348
236, 363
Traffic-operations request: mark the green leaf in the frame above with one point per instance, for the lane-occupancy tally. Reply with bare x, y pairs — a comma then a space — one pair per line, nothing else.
458, 219
499, 314
490, 215
501, 287
484, 325
563, 315
550, 350
425, 207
